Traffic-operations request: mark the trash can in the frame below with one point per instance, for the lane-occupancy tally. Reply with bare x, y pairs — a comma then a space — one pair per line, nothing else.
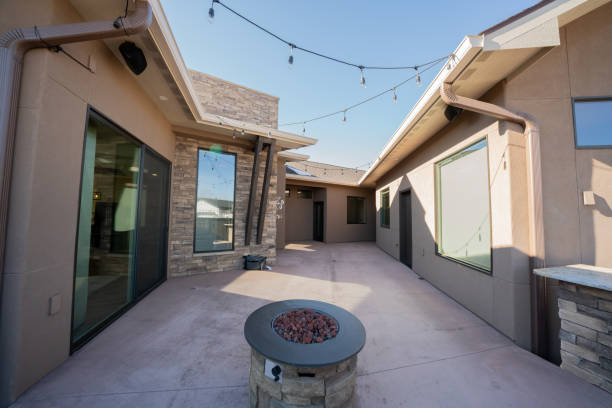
254, 262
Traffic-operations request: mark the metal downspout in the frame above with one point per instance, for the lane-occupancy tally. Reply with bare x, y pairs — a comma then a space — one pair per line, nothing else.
13, 46
539, 343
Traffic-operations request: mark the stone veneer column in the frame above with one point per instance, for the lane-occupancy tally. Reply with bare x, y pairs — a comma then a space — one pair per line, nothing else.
302, 387
586, 333
182, 260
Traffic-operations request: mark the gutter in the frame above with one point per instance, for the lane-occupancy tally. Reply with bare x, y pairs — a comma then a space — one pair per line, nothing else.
14, 44
536, 221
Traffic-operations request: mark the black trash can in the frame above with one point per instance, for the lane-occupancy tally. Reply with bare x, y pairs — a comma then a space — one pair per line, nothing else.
254, 262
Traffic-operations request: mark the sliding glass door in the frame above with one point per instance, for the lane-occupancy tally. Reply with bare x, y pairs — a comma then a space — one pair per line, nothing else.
121, 238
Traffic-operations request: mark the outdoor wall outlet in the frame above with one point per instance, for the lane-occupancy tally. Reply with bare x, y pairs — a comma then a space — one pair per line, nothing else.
55, 303
273, 371
589, 197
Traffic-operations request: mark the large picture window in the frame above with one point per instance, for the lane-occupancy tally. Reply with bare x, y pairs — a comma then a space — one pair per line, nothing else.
355, 210
462, 207
385, 210
593, 122
214, 229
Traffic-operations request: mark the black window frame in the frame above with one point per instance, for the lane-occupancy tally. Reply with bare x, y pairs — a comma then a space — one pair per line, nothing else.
365, 212
607, 98
195, 210
385, 210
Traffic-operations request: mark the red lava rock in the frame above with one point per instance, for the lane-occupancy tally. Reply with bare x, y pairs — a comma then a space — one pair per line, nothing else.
305, 326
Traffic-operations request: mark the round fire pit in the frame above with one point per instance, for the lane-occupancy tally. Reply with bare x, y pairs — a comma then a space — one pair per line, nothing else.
303, 353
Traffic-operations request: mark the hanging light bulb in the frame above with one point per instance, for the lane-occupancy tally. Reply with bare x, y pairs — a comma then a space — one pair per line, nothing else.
291, 55
211, 13
362, 80
394, 96
344, 116
234, 134
418, 77
304, 127
242, 133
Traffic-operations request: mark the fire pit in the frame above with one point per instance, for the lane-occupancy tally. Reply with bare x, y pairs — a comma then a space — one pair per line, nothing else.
303, 354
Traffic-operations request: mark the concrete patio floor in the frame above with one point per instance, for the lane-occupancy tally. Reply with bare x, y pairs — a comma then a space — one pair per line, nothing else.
183, 346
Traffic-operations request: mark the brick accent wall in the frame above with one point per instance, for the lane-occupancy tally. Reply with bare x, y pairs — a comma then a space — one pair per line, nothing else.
233, 101
182, 260
586, 333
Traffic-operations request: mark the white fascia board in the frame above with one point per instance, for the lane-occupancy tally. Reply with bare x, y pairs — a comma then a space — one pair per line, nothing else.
462, 56
539, 28
319, 180
164, 40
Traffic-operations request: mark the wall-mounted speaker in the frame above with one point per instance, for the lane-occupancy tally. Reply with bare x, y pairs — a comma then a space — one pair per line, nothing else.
452, 112
133, 56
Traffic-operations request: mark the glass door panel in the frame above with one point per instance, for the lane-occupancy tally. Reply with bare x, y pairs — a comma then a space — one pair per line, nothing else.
106, 240
153, 222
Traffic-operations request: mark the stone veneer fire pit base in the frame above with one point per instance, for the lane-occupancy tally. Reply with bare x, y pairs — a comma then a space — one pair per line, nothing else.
286, 374
329, 386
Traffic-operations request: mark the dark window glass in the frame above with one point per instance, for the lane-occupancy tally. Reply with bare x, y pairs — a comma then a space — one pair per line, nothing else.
462, 207
593, 122
304, 194
385, 211
214, 230
355, 210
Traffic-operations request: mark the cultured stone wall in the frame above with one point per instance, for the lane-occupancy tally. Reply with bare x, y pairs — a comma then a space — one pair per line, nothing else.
586, 333
302, 387
182, 260
227, 99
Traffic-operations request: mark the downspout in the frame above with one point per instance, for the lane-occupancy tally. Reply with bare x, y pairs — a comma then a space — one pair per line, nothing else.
539, 344
13, 46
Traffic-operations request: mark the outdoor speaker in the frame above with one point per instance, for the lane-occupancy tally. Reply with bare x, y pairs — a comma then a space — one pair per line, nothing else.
133, 56
452, 112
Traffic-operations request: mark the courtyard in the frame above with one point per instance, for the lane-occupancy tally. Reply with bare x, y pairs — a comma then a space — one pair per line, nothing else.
183, 345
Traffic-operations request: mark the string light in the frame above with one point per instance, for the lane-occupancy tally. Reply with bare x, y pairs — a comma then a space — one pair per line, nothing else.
211, 12
304, 127
362, 78
242, 133
315, 53
394, 96
234, 134
291, 56
344, 116
418, 77
393, 89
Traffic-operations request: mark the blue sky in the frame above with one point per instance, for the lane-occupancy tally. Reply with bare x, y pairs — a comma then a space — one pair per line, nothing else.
365, 32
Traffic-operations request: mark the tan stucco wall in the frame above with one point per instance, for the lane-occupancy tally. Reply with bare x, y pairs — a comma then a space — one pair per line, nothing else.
502, 299
280, 196
45, 186
299, 213
579, 67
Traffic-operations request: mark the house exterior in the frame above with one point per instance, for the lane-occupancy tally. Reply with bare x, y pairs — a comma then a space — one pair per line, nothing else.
473, 195
114, 182
323, 202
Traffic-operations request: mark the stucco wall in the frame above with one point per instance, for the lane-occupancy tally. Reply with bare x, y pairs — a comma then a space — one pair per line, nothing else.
299, 213
579, 67
44, 200
502, 298
183, 260
281, 209
227, 99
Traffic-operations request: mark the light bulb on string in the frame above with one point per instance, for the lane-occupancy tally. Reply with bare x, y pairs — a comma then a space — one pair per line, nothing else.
291, 55
418, 77
211, 13
362, 80
394, 96
234, 134
304, 127
242, 133
344, 116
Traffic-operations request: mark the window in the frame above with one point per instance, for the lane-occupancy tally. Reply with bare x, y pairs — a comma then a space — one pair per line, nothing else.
355, 210
214, 229
385, 212
593, 122
462, 207
304, 194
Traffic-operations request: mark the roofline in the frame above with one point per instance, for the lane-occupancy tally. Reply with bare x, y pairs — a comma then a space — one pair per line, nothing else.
464, 53
322, 181
161, 34
515, 17
293, 157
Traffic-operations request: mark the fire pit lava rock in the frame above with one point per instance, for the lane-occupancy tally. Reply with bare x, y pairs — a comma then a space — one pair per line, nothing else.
303, 354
